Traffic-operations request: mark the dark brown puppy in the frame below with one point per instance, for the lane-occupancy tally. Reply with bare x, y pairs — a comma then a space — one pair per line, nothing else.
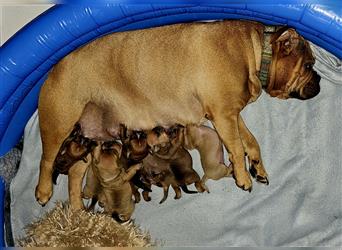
157, 171
75, 148
109, 182
135, 149
169, 163
202, 138
178, 73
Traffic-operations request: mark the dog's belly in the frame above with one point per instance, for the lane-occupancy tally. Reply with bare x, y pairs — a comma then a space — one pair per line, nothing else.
149, 117
102, 121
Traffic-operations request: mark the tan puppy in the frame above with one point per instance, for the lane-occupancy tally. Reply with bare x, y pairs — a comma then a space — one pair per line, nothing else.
108, 181
210, 148
173, 74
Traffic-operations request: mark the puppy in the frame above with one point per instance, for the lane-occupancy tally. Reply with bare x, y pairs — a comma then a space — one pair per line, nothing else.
160, 172
210, 148
75, 148
135, 149
203, 139
111, 186
169, 163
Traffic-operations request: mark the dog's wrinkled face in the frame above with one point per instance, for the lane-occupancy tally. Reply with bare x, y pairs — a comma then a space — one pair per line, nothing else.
291, 73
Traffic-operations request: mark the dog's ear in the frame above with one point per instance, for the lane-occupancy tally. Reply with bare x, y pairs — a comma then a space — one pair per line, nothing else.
287, 39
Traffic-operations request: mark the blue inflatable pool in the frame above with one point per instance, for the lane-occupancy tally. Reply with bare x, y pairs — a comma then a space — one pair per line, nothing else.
27, 57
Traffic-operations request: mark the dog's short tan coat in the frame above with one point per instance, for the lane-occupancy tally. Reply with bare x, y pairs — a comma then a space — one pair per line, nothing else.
172, 74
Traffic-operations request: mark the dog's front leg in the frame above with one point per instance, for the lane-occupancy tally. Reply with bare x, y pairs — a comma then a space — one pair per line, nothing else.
227, 127
252, 149
75, 178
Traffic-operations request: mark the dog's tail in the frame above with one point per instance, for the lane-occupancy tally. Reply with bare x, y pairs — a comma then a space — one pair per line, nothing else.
186, 190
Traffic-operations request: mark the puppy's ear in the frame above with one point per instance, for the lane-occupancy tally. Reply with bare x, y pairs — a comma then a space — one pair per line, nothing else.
287, 39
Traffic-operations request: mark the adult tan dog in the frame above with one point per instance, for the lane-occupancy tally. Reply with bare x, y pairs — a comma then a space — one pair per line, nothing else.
172, 74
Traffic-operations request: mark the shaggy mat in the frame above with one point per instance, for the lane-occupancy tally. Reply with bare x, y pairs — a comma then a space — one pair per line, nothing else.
63, 227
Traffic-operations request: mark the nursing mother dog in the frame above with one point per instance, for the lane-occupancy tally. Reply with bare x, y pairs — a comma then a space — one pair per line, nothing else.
176, 74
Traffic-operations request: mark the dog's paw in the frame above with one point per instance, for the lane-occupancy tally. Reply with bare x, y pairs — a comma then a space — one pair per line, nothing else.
243, 181
258, 172
87, 194
43, 195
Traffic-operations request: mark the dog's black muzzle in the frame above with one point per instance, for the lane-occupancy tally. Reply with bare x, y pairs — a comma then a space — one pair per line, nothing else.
310, 90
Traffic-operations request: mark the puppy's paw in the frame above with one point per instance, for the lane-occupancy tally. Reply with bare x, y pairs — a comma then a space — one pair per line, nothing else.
201, 187
101, 204
177, 197
43, 195
137, 198
146, 196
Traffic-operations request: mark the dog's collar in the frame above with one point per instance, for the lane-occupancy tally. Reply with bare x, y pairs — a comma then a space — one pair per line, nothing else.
266, 56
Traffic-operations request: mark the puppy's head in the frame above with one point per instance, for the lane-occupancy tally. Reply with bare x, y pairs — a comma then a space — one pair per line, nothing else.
161, 139
174, 133
106, 158
119, 200
291, 71
137, 141
112, 148
157, 138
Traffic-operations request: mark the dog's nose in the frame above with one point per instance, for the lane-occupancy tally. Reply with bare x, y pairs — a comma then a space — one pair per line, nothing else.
312, 88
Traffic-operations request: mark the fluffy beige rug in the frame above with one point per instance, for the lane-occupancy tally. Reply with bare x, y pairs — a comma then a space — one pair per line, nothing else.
63, 227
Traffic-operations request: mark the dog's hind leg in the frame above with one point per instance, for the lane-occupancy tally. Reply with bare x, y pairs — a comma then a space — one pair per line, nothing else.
56, 124
252, 149
135, 192
178, 192
166, 193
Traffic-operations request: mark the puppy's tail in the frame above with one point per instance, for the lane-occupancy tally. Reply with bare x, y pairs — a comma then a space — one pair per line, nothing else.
186, 190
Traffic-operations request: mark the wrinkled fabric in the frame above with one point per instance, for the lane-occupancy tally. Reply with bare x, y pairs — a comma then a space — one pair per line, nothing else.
301, 145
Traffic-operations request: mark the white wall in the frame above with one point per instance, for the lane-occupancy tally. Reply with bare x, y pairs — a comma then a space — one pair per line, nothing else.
14, 17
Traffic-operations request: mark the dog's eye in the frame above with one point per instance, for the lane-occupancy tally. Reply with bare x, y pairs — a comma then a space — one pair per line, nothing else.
158, 130
308, 66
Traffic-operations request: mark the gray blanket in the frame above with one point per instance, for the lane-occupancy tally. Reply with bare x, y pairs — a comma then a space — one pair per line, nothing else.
301, 149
